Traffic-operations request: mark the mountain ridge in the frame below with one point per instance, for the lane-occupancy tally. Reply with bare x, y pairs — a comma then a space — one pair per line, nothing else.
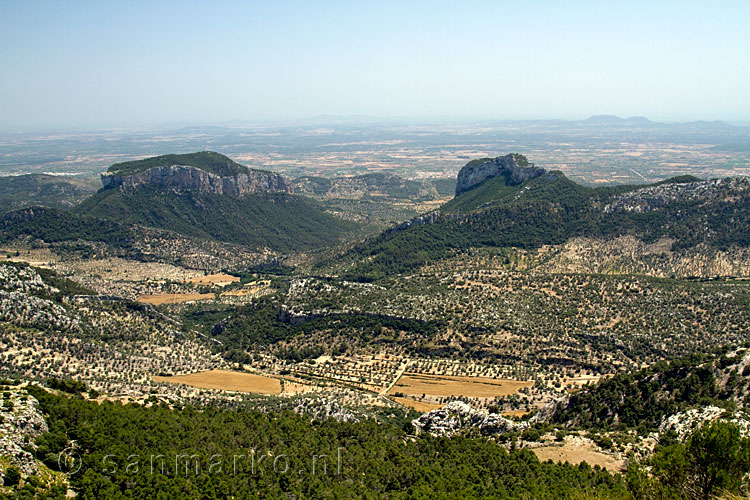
547, 208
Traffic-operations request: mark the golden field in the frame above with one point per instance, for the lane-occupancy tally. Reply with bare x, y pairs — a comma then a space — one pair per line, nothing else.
225, 380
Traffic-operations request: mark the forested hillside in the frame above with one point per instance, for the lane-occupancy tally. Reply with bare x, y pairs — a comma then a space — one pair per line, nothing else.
644, 398
266, 220
305, 459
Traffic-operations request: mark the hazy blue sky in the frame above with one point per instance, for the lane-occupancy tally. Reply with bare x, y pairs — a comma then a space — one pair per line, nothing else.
105, 63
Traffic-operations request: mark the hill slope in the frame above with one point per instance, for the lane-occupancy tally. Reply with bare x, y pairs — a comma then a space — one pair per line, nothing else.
23, 191
277, 221
645, 397
76, 235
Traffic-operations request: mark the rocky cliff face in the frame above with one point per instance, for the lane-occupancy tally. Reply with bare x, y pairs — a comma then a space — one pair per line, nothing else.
184, 178
514, 167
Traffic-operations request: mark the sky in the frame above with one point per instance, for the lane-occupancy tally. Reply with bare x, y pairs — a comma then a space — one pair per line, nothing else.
132, 63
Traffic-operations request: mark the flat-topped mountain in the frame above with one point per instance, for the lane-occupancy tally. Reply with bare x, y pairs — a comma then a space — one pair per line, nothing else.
208, 196
205, 171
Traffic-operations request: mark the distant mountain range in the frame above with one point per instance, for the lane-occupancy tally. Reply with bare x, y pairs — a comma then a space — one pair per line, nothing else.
499, 203
640, 121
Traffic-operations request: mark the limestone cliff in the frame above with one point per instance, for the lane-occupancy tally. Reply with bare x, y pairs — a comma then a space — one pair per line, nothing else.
180, 178
514, 167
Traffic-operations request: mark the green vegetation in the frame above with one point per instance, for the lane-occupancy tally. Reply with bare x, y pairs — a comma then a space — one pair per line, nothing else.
478, 161
11, 476
209, 161
445, 187
262, 324
376, 460
714, 461
678, 179
70, 386
546, 210
520, 159
278, 221
52, 225
643, 398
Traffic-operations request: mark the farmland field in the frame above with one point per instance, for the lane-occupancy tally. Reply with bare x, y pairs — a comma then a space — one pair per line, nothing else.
575, 453
220, 279
225, 380
439, 385
173, 298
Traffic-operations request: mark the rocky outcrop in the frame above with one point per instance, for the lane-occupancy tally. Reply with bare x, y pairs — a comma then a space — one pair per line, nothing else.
20, 305
428, 218
457, 417
651, 198
547, 412
514, 167
22, 423
179, 178
684, 423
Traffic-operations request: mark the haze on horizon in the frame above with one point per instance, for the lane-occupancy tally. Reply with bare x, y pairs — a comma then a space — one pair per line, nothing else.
106, 64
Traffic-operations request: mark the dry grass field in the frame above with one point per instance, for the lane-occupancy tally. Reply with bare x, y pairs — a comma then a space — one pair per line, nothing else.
514, 413
173, 298
225, 380
577, 453
443, 385
38, 257
220, 279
